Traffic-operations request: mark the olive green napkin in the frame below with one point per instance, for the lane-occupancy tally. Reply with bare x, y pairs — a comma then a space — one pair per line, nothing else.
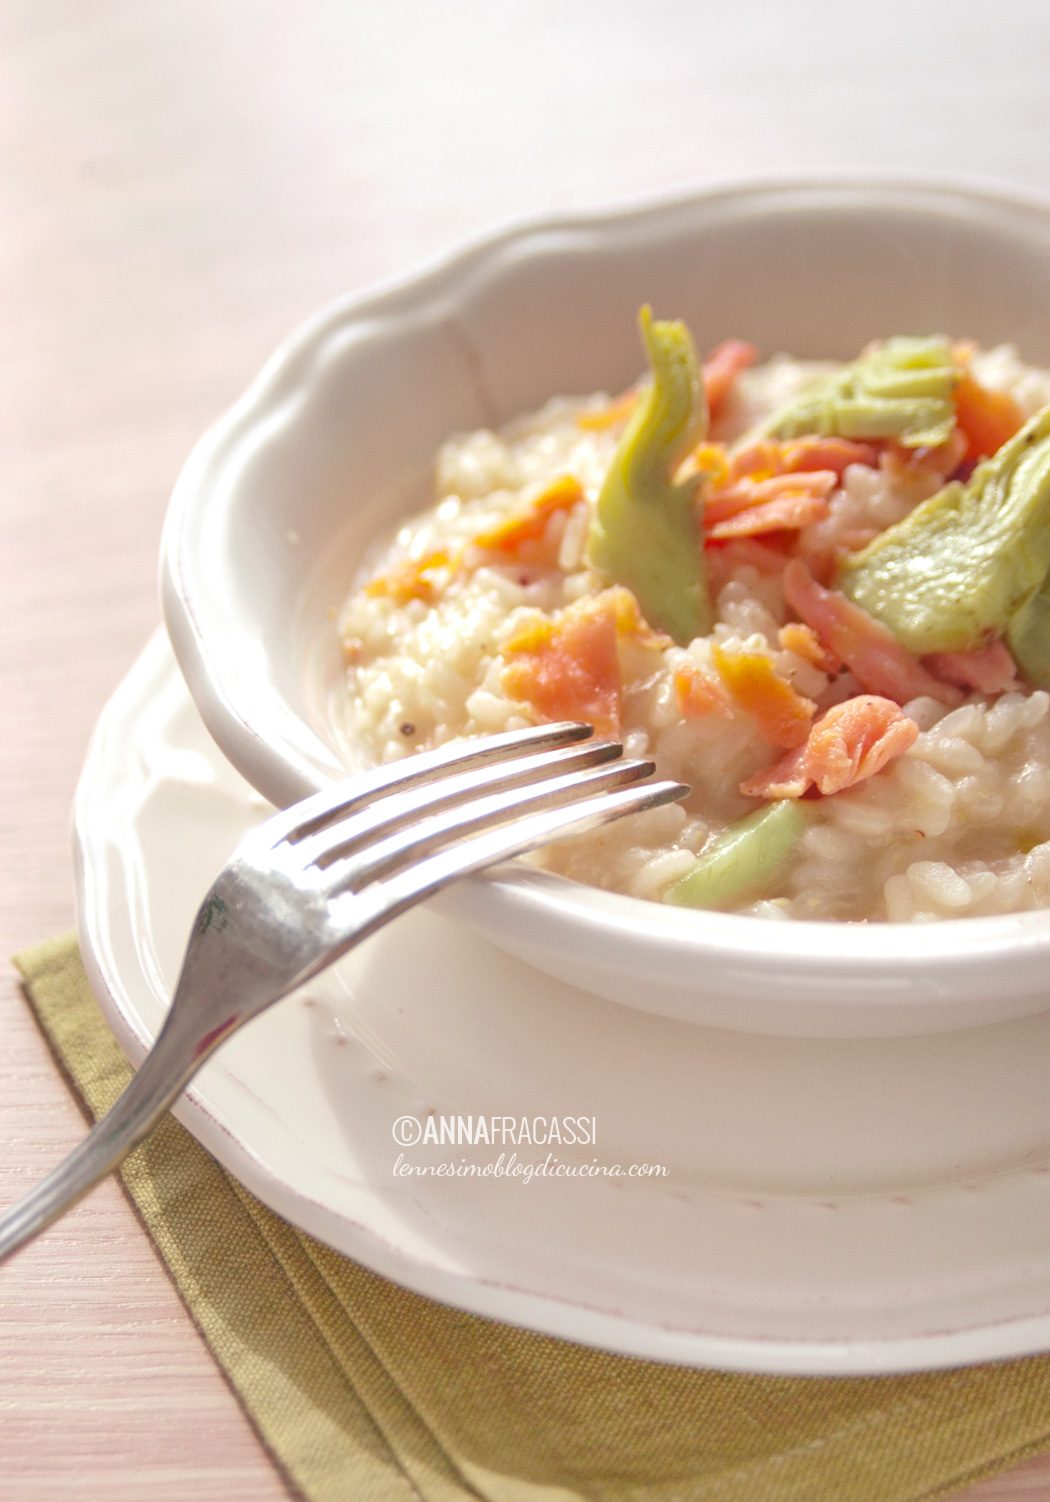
360, 1389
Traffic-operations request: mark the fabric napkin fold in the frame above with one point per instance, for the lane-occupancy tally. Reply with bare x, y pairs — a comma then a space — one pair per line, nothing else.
361, 1389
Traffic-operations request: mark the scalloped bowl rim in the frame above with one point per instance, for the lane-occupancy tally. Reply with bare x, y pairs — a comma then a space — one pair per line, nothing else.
959, 957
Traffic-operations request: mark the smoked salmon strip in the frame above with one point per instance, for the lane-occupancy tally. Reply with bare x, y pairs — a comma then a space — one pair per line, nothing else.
850, 742
765, 457
786, 513
567, 667
986, 418
721, 368
989, 669
836, 454
867, 647
748, 492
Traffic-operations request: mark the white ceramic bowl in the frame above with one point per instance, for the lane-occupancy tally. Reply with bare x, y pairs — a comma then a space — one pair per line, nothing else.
334, 440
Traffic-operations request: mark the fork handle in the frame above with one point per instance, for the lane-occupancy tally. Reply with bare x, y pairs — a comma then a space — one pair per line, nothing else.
161, 1077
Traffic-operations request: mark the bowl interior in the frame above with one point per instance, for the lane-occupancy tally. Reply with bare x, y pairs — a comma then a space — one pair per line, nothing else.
334, 442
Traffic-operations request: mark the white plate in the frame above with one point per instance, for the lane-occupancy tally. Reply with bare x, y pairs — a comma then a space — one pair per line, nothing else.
831, 1206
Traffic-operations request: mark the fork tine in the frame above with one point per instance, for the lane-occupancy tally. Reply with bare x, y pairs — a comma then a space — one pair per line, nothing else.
402, 890
343, 797
408, 847
393, 810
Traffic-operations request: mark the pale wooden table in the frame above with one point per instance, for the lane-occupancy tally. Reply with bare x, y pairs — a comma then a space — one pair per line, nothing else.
178, 185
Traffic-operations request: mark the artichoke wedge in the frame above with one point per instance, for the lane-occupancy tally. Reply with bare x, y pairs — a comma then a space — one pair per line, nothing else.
902, 390
1028, 638
967, 563
646, 531
744, 861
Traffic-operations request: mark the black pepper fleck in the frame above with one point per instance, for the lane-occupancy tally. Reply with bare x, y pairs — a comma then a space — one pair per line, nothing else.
408, 728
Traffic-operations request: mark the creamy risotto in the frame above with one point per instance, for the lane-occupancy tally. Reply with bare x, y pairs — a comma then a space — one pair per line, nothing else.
815, 593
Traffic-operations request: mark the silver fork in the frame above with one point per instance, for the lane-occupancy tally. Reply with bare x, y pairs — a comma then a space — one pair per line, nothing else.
313, 881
